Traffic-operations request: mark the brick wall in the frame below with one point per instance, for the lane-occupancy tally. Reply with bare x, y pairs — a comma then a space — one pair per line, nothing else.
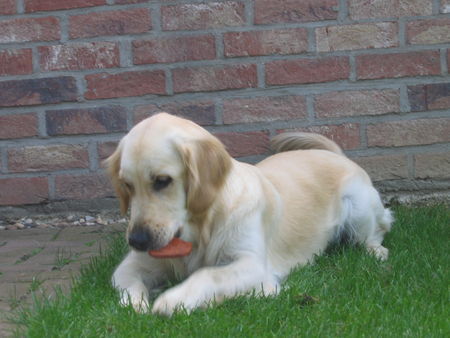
75, 75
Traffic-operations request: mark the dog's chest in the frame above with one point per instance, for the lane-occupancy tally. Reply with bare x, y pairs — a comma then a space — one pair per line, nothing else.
201, 256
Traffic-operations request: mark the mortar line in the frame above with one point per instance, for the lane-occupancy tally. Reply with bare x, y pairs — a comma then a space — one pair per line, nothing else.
20, 6
64, 24
411, 166
405, 106
155, 17
261, 75
353, 70
363, 135
169, 82
218, 109
42, 123
436, 6
310, 111
125, 54
51, 179
219, 45
35, 60
444, 65
343, 14
4, 160
93, 155
312, 42
249, 14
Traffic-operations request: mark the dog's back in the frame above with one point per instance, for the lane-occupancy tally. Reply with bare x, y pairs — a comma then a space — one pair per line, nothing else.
323, 194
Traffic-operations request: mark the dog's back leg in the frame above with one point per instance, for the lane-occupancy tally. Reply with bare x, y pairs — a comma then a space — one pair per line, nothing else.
382, 224
365, 220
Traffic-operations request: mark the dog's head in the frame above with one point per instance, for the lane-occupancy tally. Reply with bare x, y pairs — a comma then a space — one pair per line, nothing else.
167, 170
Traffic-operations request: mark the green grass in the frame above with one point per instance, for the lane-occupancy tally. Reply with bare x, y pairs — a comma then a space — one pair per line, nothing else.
345, 293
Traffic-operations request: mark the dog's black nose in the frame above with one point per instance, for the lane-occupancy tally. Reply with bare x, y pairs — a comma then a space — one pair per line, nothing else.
139, 239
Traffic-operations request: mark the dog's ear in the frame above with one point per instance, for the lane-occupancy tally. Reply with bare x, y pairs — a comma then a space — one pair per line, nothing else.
207, 165
112, 164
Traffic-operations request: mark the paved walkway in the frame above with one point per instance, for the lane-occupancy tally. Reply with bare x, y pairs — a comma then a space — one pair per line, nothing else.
36, 260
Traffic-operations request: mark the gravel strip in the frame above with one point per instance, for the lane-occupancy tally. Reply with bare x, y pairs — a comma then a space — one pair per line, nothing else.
59, 221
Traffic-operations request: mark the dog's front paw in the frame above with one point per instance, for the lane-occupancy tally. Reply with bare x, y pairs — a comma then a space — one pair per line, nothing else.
172, 300
137, 301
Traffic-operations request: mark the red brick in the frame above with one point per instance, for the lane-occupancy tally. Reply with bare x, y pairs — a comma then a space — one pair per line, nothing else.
384, 167
291, 11
52, 5
98, 120
47, 158
106, 149
18, 126
408, 133
138, 83
29, 29
174, 49
16, 62
18, 191
212, 78
201, 112
432, 165
264, 109
369, 9
357, 103
345, 135
359, 36
245, 143
417, 98
79, 56
8, 7
429, 97
38, 91
132, 21
307, 70
82, 186
202, 16
398, 65
267, 42
428, 31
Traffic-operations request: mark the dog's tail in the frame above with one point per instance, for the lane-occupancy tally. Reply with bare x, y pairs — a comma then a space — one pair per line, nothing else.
302, 141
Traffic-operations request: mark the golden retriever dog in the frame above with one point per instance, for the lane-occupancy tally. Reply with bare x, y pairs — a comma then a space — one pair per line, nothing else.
249, 225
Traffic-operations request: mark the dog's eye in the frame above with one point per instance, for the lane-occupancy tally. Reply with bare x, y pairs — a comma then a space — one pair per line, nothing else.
161, 182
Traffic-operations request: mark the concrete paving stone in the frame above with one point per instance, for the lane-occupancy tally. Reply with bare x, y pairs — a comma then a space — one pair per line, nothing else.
32, 234
6, 329
30, 276
19, 276
44, 259
24, 244
20, 248
12, 294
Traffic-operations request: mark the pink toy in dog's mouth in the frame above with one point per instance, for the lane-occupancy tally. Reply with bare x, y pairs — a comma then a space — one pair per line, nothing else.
176, 248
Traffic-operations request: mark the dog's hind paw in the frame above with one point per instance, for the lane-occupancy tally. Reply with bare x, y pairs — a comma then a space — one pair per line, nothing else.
379, 252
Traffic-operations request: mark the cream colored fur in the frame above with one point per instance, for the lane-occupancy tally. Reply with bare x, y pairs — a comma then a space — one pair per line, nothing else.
249, 225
